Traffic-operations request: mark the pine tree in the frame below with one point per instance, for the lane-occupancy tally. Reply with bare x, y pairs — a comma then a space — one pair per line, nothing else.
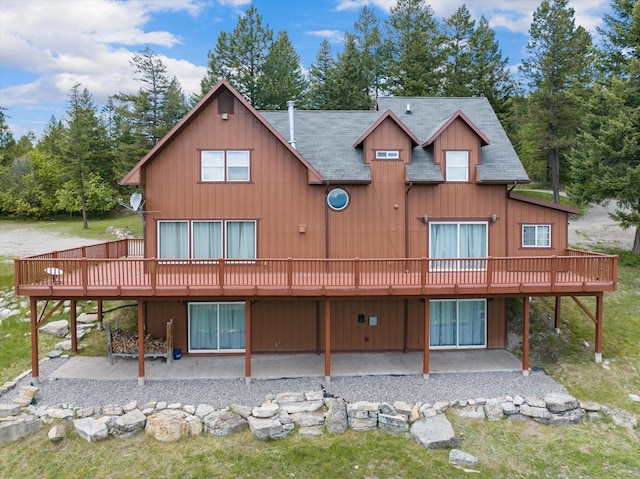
370, 46
415, 46
349, 80
282, 78
458, 29
239, 56
321, 79
557, 68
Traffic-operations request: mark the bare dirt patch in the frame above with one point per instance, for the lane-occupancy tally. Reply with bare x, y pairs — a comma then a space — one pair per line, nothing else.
18, 240
596, 228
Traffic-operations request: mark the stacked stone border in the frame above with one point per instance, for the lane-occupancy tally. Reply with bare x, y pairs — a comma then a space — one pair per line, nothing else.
309, 414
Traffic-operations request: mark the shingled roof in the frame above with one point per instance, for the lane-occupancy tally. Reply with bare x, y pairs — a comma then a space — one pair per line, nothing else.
326, 139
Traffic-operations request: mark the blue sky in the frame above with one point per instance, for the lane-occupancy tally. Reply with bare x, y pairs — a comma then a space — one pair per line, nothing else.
46, 46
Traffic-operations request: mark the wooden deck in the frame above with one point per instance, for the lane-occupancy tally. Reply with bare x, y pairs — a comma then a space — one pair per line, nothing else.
116, 269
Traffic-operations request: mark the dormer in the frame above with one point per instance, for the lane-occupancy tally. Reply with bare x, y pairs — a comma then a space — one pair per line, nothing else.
455, 144
388, 139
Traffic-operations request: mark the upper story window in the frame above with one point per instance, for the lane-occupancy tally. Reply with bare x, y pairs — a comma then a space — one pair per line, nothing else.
225, 165
536, 236
338, 199
387, 155
457, 166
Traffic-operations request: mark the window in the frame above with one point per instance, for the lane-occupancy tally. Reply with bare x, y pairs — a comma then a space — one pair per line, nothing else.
457, 163
338, 199
216, 327
458, 240
536, 236
458, 323
387, 155
207, 239
219, 165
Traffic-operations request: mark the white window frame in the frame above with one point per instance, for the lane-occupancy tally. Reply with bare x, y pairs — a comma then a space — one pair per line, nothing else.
538, 236
217, 166
218, 350
225, 244
457, 161
480, 265
387, 155
192, 241
457, 345
159, 238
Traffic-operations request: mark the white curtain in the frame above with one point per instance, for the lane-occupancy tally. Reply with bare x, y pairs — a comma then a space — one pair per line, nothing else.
173, 239
457, 323
203, 332
444, 244
471, 323
442, 323
241, 239
473, 244
231, 326
207, 239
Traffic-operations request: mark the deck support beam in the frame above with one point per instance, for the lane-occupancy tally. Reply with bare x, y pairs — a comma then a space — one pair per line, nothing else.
247, 342
100, 314
74, 325
327, 340
140, 343
35, 370
427, 341
525, 337
599, 317
557, 313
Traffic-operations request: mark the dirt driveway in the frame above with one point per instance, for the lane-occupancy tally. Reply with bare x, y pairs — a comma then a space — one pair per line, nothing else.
593, 228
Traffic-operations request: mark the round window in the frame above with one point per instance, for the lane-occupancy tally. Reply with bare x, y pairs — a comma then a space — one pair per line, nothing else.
338, 199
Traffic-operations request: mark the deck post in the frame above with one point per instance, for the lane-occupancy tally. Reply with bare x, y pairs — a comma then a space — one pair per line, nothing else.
599, 311
247, 342
327, 340
74, 325
525, 337
427, 341
140, 343
35, 370
100, 313
557, 316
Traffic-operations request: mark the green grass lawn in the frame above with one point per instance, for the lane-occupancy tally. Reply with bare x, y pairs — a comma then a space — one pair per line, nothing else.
505, 449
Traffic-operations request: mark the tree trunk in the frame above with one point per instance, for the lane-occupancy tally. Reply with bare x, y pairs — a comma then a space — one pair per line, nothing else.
554, 161
636, 242
83, 200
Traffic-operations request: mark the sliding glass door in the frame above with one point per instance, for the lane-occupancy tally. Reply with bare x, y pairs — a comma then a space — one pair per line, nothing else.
458, 323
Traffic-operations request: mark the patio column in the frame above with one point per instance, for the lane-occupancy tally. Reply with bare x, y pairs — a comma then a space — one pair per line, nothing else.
427, 340
35, 371
247, 342
100, 313
140, 343
525, 337
327, 340
558, 309
74, 324
599, 317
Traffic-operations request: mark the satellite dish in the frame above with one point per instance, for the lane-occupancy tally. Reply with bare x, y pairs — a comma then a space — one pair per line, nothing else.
135, 200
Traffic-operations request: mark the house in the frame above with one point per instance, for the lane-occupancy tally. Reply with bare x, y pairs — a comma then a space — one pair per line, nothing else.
331, 231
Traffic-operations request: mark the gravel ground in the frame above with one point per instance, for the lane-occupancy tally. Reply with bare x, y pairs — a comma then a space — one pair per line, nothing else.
221, 393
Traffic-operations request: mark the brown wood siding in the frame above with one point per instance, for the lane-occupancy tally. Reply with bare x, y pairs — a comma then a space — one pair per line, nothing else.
284, 326
458, 136
157, 315
496, 323
524, 213
277, 196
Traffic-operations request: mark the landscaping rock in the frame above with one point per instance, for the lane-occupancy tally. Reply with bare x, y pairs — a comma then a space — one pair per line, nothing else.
336, 417
87, 318
170, 425
204, 410
434, 433
57, 433
307, 419
302, 406
7, 410
634, 397
557, 403
471, 412
92, 430
244, 411
493, 409
13, 428
624, 418
393, 423
224, 423
266, 410
267, 428
461, 458
58, 329
129, 424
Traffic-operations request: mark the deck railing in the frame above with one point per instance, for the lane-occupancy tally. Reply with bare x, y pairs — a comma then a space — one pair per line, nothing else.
117, 264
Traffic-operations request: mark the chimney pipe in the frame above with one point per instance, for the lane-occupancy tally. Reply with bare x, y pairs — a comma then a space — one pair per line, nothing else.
292, 139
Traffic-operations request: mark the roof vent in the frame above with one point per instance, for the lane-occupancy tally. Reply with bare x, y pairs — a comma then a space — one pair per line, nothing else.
408, 110
292, 138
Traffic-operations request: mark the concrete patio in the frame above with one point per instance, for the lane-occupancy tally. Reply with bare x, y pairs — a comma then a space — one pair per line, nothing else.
272, 366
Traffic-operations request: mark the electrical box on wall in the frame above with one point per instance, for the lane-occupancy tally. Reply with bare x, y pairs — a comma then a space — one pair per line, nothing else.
361, 318
373, 320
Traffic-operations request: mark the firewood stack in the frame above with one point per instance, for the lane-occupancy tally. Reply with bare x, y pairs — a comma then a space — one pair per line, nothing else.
128, 343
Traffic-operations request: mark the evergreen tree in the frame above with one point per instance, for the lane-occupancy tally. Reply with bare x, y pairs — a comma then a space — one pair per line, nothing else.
7, 140
458, 30
349, 81
557, 68
239, 56
282, 78
605, 164
321, 79
370, 46
415, 46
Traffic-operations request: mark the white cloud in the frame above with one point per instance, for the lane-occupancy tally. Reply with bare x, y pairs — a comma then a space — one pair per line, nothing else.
333, 36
